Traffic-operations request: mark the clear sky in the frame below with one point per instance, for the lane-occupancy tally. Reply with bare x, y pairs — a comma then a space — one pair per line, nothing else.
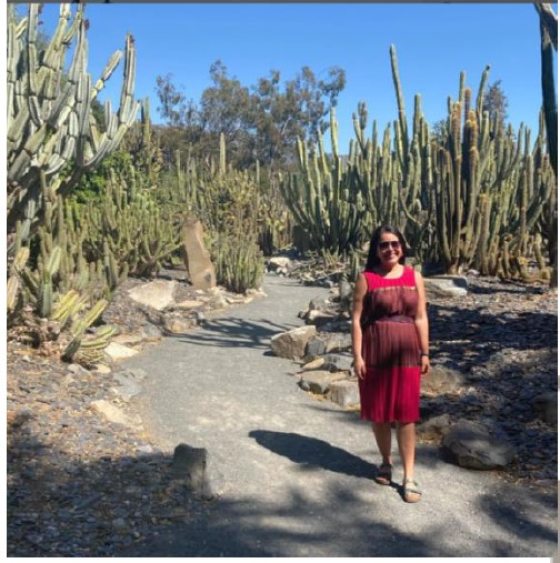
434, 43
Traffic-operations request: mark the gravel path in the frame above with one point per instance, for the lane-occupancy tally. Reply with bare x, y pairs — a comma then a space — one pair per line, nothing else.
295, 472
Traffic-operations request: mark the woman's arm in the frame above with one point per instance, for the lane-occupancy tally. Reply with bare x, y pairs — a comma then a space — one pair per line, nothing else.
421, 322
360, 290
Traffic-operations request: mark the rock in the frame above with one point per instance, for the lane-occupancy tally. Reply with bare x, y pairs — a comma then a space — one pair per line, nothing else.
319, 304
102, 369
346, 292
319, 381
119, 524
118, 351
292, 344
177, 325
151, 332
128, 386
472, 445
434, 428
157, 294
319, 318
344, 393
197, 258
441, 380
338, 362
130, 339
438, 287
546, 406
191, 464
278, 262
189, 304
338, 342
114, 414
314, 364
315, 347
77, 369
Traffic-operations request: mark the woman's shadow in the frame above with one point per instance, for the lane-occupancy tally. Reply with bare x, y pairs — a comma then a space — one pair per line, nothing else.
312, 453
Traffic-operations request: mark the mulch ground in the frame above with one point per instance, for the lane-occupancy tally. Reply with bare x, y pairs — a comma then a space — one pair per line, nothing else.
81, 486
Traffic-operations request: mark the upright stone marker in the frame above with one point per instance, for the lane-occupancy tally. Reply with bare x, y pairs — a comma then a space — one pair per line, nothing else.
197, 258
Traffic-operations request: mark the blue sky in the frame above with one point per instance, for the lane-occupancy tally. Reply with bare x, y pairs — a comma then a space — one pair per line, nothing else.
434, 43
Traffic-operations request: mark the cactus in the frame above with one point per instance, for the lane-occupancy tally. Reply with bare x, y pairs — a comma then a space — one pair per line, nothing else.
323, 199
50, 124
79, 326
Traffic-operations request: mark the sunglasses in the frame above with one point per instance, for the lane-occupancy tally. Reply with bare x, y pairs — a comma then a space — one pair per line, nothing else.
394, 244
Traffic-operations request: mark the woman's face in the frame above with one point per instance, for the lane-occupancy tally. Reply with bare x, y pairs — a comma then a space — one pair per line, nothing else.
389, 250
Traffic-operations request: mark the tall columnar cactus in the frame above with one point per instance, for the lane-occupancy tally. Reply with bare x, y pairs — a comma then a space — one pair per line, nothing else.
485, 188
549, 40
50, 122
323, 199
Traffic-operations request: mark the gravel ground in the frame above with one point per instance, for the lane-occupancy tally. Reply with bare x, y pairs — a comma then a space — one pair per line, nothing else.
81, 486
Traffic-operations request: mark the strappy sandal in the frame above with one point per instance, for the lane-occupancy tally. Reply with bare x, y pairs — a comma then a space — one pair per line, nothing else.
411, 491
384, 474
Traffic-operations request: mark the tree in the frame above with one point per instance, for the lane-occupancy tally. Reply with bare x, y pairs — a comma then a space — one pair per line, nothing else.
496, 102
259, 122
300, 109
173, 102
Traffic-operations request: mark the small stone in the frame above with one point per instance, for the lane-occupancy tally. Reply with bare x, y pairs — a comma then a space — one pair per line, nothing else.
315, 347
119, 352
119, 524
102, 369
319, 381
313, 364
344, 393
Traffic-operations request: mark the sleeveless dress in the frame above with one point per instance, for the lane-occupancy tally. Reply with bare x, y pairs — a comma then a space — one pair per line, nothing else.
390, 392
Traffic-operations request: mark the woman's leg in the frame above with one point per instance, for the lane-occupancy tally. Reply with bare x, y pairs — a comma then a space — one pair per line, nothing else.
382, 432
406, 437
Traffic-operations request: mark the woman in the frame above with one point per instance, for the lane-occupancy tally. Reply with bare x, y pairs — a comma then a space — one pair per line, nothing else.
390, 345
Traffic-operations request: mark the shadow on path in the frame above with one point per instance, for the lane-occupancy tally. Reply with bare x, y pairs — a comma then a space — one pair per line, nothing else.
235, 332
313, 453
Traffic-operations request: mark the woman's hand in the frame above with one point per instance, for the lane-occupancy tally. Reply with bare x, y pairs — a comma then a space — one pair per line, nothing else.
425, 365
360, 368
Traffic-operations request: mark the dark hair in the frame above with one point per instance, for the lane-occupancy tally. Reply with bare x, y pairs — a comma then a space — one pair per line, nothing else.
373, 259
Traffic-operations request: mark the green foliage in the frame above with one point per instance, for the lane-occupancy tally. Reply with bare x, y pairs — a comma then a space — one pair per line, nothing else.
53, 135
260, 122
238, 261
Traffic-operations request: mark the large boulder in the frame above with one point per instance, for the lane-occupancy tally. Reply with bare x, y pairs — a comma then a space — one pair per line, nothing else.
157, 294
292, 344
444, 287
474, 446
197, 258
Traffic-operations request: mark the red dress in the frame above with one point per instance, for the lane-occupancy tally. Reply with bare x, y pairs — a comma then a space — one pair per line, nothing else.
390, 392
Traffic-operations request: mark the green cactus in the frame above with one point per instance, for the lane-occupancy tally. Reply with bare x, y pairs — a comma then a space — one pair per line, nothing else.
50, 124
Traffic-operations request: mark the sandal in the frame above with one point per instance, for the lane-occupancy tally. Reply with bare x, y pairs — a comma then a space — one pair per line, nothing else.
384, 474
411, 491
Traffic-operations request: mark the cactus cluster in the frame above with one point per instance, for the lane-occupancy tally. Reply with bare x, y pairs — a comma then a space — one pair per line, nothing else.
321, 197
50, 123
232, 209
474, 198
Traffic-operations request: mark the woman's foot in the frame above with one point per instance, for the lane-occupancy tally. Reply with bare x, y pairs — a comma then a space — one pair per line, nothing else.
384, 474
411, 491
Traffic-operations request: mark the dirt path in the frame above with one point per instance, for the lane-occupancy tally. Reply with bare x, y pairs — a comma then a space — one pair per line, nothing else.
296, 473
